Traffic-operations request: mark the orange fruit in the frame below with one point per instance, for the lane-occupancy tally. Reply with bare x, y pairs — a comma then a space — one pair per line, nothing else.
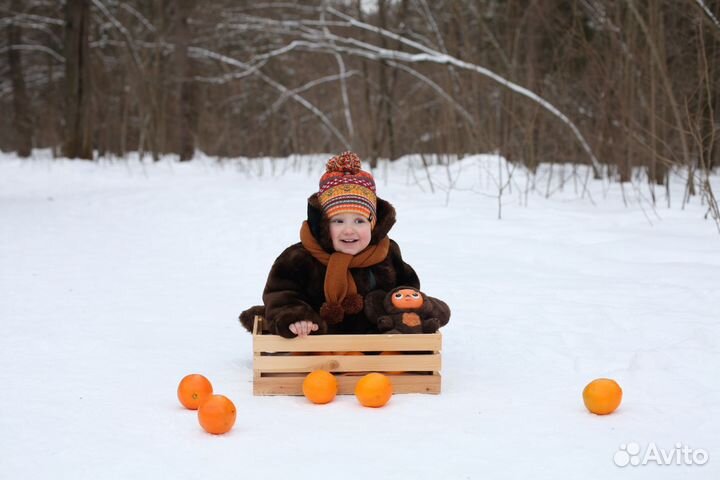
193, 390
602, 396
217, 414
320, 387
373, 390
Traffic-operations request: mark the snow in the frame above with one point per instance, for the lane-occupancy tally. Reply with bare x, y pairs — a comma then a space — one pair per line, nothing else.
117, 278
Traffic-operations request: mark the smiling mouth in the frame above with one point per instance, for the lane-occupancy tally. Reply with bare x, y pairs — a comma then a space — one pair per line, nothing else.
348, 241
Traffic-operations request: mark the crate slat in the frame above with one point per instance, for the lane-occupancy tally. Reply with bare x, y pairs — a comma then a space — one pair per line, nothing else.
292, 385
358, 343
349, 363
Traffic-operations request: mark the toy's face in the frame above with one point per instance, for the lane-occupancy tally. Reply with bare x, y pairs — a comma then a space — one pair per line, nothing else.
406, 299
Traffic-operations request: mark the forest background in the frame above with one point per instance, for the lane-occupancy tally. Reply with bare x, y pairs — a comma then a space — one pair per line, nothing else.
630, 87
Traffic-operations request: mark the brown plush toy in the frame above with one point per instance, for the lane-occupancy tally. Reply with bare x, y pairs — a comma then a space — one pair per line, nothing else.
406, 310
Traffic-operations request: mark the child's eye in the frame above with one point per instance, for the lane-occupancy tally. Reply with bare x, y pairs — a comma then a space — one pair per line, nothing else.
360, 220
398, 295
416, 295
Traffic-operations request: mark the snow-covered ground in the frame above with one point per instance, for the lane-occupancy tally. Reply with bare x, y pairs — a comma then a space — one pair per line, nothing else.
119, 278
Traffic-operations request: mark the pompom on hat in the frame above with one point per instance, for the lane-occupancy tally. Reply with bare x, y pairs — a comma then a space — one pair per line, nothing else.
346, 188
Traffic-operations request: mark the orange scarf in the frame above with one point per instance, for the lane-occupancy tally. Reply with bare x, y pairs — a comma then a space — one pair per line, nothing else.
339, 283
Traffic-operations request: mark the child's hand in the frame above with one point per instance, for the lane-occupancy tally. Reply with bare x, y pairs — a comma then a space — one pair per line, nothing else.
303, 328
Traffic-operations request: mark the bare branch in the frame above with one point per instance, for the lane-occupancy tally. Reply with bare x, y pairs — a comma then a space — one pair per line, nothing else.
132, 11
302, 101
433, 24
434, 56
437, 88
708, 13
35, 48
314, 83
25, 21
124, 31
660, 62
28, 18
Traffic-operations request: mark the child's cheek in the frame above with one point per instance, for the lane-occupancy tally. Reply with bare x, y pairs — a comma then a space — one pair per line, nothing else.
365, 238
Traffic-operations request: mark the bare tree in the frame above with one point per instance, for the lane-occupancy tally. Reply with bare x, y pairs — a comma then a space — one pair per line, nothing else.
78, 88
21, 103
187, 97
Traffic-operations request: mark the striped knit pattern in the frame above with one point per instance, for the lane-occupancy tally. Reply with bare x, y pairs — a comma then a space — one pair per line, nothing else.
346, 188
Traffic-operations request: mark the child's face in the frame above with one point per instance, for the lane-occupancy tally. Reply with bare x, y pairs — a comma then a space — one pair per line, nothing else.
350, 233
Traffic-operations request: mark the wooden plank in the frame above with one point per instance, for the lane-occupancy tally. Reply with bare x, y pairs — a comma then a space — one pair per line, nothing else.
348, 363
292, 385
348, 343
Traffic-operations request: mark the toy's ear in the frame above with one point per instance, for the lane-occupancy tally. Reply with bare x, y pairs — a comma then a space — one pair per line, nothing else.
387, 302
427, 307
438, 310
374, 305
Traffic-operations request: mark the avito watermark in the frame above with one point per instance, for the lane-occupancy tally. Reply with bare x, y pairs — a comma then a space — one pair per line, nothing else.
631, 454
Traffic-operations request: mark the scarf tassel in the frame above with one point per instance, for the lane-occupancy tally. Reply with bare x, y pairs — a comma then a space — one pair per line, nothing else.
333, 313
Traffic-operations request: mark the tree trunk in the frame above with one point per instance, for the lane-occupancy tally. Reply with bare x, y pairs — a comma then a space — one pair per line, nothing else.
21, 104
187, 124
371, 126
78, 131
384, 131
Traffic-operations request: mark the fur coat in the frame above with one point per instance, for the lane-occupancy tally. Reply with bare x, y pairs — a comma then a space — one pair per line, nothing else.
294, 288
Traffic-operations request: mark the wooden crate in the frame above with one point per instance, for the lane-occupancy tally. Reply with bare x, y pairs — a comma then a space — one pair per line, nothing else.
281, 364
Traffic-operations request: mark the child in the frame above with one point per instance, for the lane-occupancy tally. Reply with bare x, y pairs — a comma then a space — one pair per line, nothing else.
318, 285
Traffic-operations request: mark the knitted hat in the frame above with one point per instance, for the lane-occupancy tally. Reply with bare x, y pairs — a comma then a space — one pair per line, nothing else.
346, 188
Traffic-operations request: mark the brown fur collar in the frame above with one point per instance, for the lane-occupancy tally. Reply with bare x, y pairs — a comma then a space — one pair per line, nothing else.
320, 227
